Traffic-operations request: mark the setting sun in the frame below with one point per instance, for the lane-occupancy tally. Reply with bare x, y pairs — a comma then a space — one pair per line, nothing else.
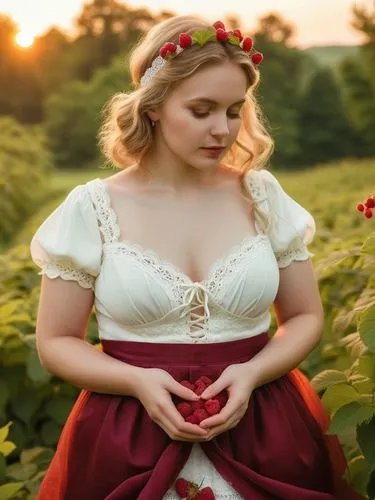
24, 40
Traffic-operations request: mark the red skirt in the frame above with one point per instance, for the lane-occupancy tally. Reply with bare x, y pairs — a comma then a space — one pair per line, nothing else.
110, 449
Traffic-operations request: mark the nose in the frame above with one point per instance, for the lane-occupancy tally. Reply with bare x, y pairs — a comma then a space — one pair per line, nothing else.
220, 125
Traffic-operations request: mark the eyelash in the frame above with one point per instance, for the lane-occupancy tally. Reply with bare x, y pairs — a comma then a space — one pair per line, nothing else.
204, 115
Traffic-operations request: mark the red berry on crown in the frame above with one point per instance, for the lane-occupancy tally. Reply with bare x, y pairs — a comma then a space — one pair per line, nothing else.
222, 35
238, 34
219, 24
185, 40
247, 44
257, 58
168, 47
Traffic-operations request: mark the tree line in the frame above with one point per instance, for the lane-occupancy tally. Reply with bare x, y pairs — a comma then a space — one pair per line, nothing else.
314, 113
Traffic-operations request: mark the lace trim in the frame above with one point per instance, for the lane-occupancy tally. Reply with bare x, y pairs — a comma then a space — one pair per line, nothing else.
107, 218
56, 270
255, 185
284, 259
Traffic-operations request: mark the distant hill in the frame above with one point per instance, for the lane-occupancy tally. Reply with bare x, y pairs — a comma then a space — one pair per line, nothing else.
331, 55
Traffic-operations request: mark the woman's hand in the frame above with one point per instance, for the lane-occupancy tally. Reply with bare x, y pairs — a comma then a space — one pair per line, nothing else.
153, 387
237, 380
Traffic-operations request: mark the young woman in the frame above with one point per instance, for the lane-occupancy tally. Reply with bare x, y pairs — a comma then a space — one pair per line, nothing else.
183, 253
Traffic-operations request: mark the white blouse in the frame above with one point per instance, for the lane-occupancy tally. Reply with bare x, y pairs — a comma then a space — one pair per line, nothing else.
142, 297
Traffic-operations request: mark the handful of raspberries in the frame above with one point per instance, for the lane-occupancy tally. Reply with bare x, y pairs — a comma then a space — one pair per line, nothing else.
196, 411
191, 491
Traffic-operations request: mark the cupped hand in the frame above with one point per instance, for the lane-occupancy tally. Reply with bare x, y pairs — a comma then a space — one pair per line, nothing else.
153, 387
237, 381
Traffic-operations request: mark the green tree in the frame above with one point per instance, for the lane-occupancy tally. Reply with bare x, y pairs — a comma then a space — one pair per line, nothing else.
325, 132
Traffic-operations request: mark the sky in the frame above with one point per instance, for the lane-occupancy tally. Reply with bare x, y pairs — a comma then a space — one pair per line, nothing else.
317, 22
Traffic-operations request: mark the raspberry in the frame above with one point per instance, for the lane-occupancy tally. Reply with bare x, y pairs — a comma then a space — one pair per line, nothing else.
219, 25
370, 203
360, 207
221, 35
206, 380
192, 419
185, 409
187, 384
182, 487
200, 387
200, 415
185, 40
238, 34
247, 44
168, 47
205, 494
368, 213
197, 405
212, 406
257, 58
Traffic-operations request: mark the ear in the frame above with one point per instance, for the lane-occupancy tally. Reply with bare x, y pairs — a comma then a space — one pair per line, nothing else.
153, 115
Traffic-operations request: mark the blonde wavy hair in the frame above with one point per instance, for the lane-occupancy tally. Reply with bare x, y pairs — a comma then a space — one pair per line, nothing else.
127, 134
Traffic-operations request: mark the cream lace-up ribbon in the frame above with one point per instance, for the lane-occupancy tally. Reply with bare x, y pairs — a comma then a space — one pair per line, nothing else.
195, 296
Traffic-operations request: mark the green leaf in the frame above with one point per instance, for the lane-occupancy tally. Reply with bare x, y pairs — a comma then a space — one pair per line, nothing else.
366, 328
7, 447
50, 433
22, 472
368, 246
202, 37
3, 468
327, 378
359, 471
350, 415
366, 440
7, 491
30, 455
25, 406
58, 408
234, 40
4, 431
339, 395
366, 366
35, 370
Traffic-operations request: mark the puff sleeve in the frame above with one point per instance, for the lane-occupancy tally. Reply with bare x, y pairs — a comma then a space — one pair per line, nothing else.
68, 243
290, 227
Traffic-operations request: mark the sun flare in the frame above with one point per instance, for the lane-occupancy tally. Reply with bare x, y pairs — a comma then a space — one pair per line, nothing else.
24, 40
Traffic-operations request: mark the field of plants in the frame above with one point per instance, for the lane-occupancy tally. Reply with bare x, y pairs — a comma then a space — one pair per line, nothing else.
34, 404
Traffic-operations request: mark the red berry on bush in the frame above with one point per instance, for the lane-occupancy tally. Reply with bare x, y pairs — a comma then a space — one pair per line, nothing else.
370, 202
360, 207
368, 213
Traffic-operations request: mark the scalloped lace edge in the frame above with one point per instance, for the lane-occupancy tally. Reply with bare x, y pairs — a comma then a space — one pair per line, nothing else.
55, 270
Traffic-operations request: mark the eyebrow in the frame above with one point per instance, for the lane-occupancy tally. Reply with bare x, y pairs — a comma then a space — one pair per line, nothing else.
211, 101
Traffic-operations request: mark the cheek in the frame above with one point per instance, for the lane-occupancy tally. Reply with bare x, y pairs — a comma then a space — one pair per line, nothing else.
184, 129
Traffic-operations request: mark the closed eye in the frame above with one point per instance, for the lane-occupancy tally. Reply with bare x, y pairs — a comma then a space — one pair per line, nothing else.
204, 115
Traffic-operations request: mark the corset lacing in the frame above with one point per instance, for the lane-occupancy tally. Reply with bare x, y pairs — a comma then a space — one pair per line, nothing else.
195, 297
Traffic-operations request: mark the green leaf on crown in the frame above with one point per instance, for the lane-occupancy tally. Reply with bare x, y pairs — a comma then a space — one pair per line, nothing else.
202, 37
233, 40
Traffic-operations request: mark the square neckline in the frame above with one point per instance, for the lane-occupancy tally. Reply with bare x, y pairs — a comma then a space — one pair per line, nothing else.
146, 253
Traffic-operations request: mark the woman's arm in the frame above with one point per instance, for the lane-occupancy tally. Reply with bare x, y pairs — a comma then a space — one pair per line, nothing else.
300, 318
63, 314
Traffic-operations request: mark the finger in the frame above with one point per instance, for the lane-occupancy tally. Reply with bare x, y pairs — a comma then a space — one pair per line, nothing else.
179, 390
215, 388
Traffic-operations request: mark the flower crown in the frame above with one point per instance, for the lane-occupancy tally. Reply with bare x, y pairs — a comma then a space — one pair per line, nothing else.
219, 34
